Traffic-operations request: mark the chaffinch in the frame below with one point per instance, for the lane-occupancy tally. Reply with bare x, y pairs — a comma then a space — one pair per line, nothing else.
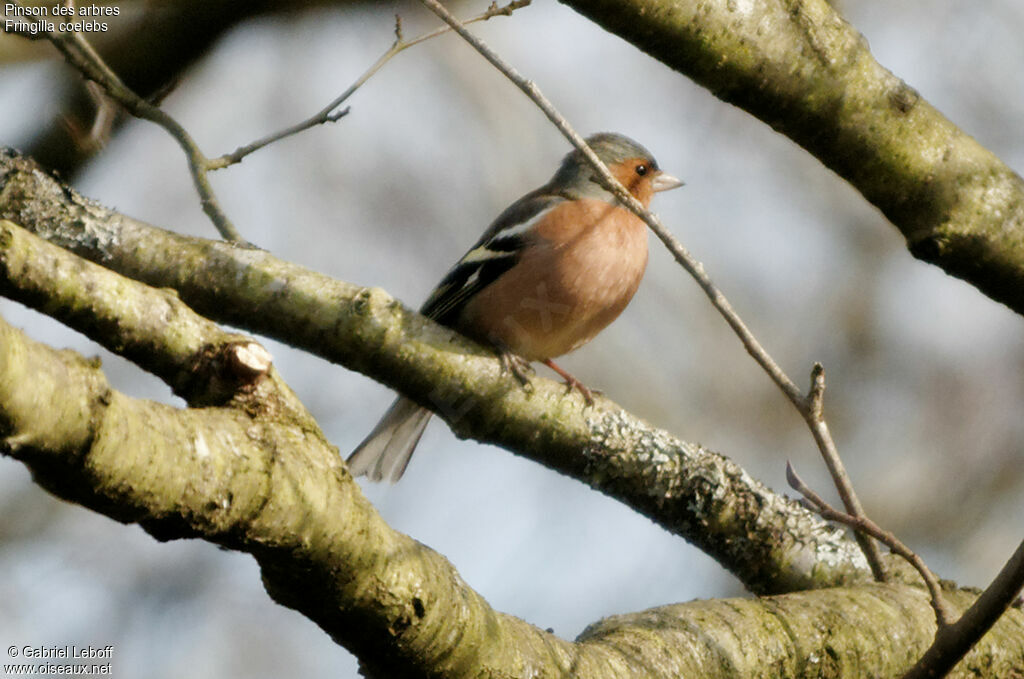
555, 268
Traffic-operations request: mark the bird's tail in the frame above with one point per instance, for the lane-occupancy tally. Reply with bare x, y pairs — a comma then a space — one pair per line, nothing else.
385, 452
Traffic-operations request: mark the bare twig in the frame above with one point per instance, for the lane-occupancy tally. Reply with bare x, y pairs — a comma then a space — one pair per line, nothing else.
863, 524
812, 408
809, 406
952, 642
330, 113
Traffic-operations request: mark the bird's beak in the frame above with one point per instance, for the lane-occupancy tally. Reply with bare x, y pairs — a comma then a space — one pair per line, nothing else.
664, 182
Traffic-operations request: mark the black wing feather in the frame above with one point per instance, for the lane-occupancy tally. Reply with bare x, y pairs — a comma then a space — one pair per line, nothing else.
495, 253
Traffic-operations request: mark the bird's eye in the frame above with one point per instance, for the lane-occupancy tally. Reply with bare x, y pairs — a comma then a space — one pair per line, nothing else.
641, 169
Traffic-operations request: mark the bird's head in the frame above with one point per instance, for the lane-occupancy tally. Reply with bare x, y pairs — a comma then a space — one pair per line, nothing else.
629, 162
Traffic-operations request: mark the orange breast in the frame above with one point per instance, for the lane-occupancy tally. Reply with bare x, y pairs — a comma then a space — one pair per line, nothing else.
575, 279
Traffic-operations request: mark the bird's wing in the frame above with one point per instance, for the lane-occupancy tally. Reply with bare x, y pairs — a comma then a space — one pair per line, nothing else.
494, 254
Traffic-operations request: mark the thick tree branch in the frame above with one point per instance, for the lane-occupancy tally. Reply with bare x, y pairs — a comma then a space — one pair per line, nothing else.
771, 543
119, 313
256, 475
798, 66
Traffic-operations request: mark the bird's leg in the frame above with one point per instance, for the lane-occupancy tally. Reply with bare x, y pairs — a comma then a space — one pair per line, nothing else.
572, 382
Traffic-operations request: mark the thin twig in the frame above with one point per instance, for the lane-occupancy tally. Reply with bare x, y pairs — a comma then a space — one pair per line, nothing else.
329, 113
816, 423
812, 408
863, 524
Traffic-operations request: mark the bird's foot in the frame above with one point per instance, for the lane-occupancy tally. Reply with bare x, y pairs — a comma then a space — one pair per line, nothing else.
518, 366
573, 383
